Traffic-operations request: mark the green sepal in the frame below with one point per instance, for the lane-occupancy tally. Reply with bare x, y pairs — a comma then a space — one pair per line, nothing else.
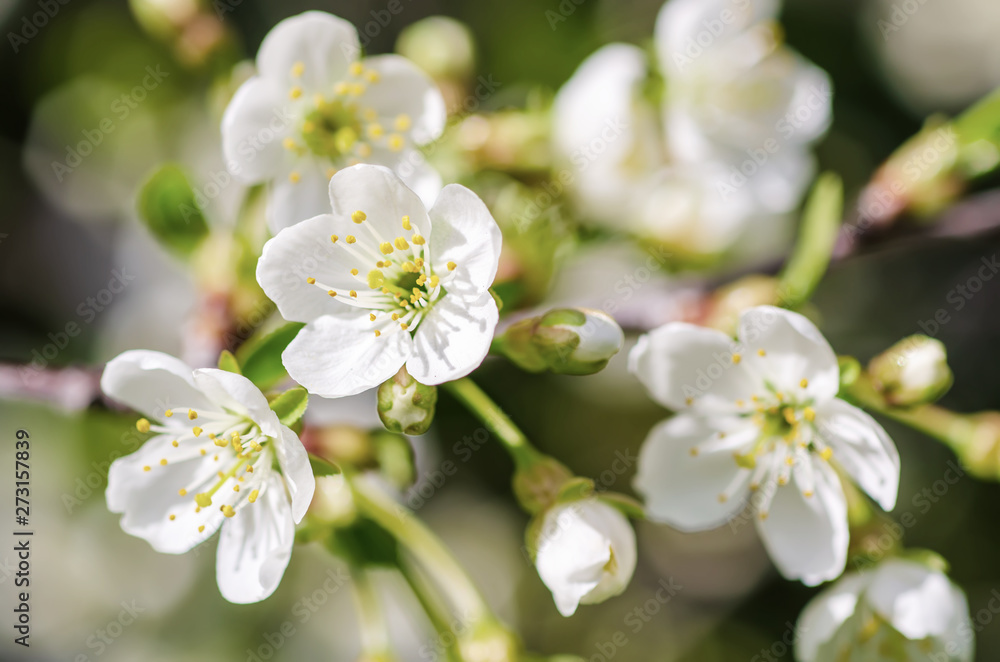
228, 362
290, 405
260, 357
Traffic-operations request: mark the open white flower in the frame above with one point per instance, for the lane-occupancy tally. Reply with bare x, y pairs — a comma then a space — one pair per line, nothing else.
314, 108
901, 611
759, 423
715, 161
382, 282
586, 553
220, 458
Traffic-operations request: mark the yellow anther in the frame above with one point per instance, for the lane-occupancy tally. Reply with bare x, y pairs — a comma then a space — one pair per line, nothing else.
289, 143
395, 316
295, 92
357, 89
311, 280
420, 261
375, 279
192, 414
196, 431
451, 266
253, 495
740, 403
221, 475
332, 293
409, 267
809, 414
341, 88
298, 68
372, 76
182, 492
201, 528
364, 150
250, 469
203, 499
789, 415
163, 462
204, 452
693, 452
142, 425
396, 142
402, 122
826, 453
356, 68
375, 131
737, 358
418, 240
354, 272
746, 460
421, 279
147, 468
359, 216
808, 494
406, 223
404, 326
434, 281
168, 413
689, 401
385, 247
371, 317
790, 460
401, 244
173, 517
236, 488
216, 458
377, 333
350, 239
761, 352
354, 294
334, 238
294, 177
804, 383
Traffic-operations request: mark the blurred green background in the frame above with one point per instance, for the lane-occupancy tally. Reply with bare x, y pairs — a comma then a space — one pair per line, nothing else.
61, 242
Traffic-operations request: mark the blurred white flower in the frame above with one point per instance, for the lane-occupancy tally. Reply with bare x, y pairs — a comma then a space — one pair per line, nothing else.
315, 108
213, 463
411, 287
586, 553
759, 422
715, 160
899, 611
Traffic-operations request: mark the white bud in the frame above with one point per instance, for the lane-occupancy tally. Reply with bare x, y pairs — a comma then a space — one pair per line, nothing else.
913, 371
586, 553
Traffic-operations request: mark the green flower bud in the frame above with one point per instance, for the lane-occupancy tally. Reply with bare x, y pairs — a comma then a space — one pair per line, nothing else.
566, 341
441, 46
405, 405
914, 371
538, 485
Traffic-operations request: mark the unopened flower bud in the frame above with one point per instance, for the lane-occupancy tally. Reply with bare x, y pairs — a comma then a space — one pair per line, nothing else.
537, 485
332, 502
568, 341
914, 371
729, 301
441, 46
405, 405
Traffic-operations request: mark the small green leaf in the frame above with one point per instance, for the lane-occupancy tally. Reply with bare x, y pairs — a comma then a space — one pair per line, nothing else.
575, 489
626, 504
818, 231
322, 467
229, 363
290, 405
168, 207
260, 357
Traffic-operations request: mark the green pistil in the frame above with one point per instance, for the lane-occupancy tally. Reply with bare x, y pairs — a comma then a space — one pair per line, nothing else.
331, 130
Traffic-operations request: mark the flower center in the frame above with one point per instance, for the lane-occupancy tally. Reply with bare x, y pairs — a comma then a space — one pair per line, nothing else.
331, 129
230, 439
395, 282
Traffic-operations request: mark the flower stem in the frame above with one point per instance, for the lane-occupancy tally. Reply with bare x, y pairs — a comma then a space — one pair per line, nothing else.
375, 643
429, 600
482, 407
425, 547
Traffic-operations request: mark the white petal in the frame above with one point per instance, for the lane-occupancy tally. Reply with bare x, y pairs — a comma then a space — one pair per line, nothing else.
306, 251
575, 546
682, 489
862, 447
148, 498
466, 234
293, 202
795, 350
807, 536
334, 358
238, 394
255, 547
917, 601
297, 471
412, 167
254, 125
403, 89
824, 615
325, 45
684, 366
152, 382
382, 196
453, 339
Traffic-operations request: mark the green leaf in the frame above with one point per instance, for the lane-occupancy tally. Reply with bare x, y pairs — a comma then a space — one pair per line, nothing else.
229, 363
290, 405
260, 357
626, 504
168, 207
322, 467
818, 232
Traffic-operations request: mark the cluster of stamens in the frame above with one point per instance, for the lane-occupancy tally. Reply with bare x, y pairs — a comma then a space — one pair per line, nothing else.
338, 127
400, 288
234, 441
